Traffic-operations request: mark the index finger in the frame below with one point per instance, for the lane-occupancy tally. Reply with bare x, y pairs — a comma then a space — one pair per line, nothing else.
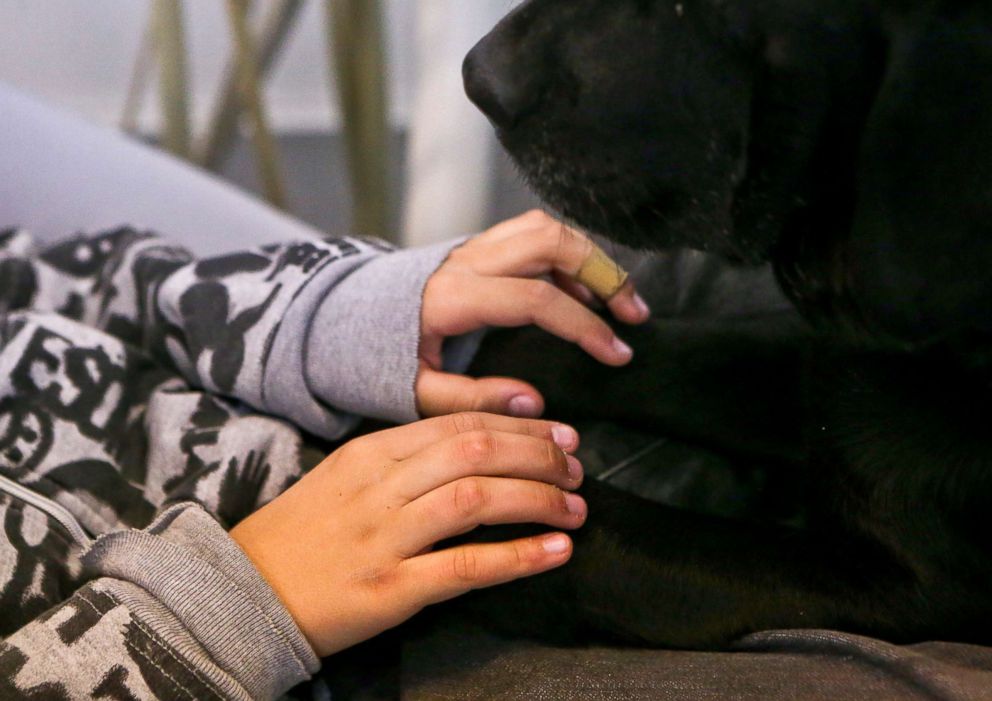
553, 246
403, 442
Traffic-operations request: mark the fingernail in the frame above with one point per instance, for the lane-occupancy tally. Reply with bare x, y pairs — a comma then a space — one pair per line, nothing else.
524, 407
574, 467
622, 348
642, 307
555, 544
576, 504
565, 437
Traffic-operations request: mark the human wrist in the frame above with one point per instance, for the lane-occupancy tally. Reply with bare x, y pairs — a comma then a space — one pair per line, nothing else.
362, 351
254, 536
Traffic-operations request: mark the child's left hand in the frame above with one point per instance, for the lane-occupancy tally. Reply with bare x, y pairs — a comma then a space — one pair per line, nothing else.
491, 281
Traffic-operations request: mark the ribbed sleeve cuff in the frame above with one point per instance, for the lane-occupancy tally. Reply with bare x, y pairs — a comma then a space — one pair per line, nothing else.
286, 389
190, 565
362, 352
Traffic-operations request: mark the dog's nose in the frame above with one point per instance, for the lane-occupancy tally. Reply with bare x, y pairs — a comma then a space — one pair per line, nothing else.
505, 89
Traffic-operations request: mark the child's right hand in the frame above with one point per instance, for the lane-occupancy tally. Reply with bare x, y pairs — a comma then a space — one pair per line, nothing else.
349, 549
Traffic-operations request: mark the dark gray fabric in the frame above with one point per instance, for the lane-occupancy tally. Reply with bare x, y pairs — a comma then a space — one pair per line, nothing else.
469, 665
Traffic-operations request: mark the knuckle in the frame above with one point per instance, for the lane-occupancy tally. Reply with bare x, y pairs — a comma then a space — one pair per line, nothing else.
440, 285
521, 557
381, 475
553, 455
447, 405
599, 328
465, 422
480, 400
607, 337
537, 217
469, 497
583, 244
479, 447
543, 293
352, 449
536, 428
465, 565
445, 287
376, 578
463, 252
552, 234
555, 499
367, 533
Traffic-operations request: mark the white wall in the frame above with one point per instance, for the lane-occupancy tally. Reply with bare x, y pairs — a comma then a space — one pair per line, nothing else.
79, 54
451, 144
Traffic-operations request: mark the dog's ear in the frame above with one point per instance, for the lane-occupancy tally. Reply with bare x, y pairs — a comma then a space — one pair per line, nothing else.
919, 258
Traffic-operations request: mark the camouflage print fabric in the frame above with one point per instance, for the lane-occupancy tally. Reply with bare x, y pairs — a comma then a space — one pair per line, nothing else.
148, 402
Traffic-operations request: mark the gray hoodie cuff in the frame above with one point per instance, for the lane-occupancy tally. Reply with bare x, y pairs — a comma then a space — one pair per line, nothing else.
362, 352
190, 565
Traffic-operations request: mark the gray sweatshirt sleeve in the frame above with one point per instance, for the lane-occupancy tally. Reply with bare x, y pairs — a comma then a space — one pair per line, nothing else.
237, 325
175, 611
321, 333
362, 351
233, 324
317, 332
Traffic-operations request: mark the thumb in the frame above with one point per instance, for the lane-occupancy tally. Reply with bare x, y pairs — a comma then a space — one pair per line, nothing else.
440, 393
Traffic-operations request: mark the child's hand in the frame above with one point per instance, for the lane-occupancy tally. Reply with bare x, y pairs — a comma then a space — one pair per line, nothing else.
490, 282
349, 548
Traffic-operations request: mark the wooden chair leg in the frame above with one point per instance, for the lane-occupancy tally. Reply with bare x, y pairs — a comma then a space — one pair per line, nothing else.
266, 152
144, 66
171, 43
355, 41
221, 135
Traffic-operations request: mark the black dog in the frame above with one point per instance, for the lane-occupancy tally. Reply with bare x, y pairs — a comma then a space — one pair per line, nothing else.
848, 143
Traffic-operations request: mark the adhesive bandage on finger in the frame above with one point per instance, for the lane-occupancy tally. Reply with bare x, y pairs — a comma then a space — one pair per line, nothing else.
601, 274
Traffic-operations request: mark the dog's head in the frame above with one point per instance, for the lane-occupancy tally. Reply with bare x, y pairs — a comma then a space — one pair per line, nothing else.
834, 137
651, 121
628, 116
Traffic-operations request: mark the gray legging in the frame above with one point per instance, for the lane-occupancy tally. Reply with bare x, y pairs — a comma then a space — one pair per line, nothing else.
60, 175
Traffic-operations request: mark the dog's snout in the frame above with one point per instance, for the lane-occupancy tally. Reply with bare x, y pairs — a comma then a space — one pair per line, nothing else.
499, 83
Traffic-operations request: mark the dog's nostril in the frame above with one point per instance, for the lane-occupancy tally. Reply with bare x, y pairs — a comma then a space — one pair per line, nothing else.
494, 85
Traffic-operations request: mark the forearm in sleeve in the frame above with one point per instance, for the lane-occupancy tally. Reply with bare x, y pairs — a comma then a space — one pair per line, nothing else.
175, 611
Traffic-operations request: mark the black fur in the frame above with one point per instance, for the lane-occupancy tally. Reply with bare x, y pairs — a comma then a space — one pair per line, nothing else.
848, 144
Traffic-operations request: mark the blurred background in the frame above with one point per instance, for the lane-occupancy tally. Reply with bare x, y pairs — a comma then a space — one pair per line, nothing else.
348, 114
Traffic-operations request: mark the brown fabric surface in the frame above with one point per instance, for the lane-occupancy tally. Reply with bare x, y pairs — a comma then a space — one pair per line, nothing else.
465, 664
